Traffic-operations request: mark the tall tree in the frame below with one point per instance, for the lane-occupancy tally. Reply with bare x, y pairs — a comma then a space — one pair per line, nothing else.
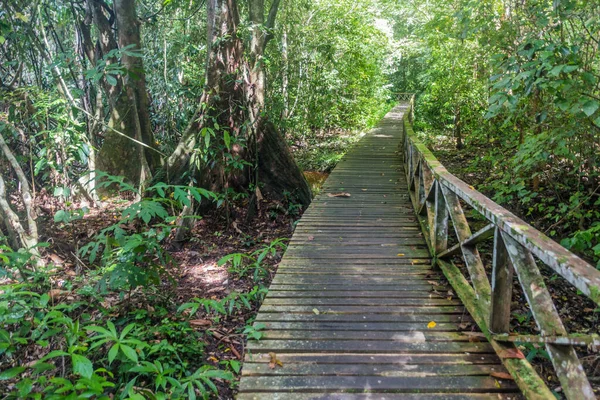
126, 92
233, 106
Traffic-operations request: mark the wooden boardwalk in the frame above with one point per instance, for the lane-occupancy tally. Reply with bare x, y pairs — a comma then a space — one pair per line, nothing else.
351, 311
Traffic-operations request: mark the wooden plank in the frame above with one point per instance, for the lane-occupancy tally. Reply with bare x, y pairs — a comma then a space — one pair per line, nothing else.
353, 325
350, 286
365, 346
425, 319
406, 337
408, 369
463, 384
369, 396
399, 359
387, 294
363, 308
328, 301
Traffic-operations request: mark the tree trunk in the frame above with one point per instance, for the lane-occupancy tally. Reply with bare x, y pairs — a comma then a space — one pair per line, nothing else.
458, 129
28, 233
238, 105
129, 105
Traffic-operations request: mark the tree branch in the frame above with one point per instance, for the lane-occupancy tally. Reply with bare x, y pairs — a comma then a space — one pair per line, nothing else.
271, 21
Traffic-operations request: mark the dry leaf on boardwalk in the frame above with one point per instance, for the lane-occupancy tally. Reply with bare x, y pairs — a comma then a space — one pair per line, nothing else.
431, 325
339, 194
511, 353
502, 375
274, 361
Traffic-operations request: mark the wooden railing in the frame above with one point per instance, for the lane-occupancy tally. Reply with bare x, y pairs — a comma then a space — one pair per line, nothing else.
437, 195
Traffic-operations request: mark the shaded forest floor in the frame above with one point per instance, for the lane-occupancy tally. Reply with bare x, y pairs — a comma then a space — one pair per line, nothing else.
226, 298
579, 314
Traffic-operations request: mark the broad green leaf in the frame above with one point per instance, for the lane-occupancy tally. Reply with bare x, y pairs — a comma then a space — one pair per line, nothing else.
111, 80
82, 366
129, 353
11, 373
590, 107
112, 353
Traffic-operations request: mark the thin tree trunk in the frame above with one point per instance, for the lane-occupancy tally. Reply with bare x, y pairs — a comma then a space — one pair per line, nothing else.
285, 78
27, 236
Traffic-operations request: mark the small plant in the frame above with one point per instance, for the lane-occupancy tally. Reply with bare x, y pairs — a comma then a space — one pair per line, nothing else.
121, 344
254, 331
244, 264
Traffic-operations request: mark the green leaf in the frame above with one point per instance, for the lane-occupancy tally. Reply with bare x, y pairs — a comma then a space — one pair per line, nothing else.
126, 330
82, 366
129, 353
112, 353
227, 139
111, 80
590, 107
60, 216
11, 373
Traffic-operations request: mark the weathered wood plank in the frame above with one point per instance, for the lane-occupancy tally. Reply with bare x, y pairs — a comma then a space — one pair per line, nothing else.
409, 358
398, 327
425, 319
400, 370
464, 384
381, 396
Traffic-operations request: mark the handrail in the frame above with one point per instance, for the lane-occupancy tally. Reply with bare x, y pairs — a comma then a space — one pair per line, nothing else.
436, 195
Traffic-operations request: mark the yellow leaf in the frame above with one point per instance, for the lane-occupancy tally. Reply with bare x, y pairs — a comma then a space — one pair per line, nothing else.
430, 325
213, 358
315, 311
400, 254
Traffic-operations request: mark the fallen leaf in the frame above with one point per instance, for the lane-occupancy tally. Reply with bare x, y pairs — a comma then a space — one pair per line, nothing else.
55, 294
502, 375
364, 190
511, 353
200, 322
213, 358
238, 230
339, 194
56, 259
431, 325
311, 237
497, 384
316, 311
400, 254
464, 325
434, 283
274, 361
237, 353
259, 196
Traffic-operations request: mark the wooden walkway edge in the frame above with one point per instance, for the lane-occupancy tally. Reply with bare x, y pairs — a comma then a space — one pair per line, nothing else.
355, 310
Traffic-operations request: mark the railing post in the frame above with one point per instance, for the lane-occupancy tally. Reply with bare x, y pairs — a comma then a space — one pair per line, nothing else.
441, 221
502, 286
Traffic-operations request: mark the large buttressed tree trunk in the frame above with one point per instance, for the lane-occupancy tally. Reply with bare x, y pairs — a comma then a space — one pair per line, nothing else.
234, 97
127, 96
